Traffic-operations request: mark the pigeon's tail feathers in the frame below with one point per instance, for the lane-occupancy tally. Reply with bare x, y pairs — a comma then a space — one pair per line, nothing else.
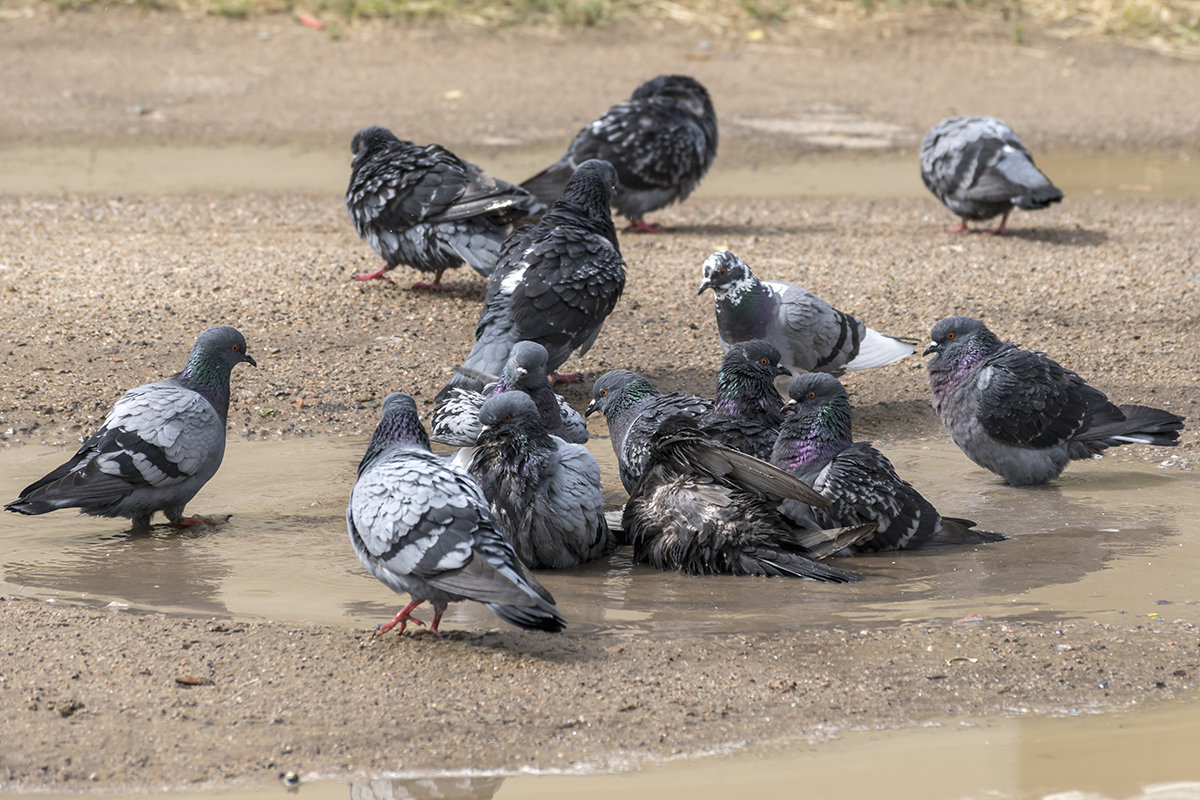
1039, 197
548, 184
956, 532
878, 349
486, 358
1134, 425
31, 506
542, 617
821, 544
783, 563
1034, 190
480, 249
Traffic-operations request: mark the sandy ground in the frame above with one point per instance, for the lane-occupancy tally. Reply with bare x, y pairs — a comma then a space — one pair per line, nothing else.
98, 294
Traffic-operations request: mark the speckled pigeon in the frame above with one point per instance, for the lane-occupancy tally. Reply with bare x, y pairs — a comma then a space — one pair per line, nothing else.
1021, 415
555, 283
160, 443
423, 206
859, 482
704, 509
544, 492
979, 169
634, 409
811, 335
747, 409
661, 141
423, 526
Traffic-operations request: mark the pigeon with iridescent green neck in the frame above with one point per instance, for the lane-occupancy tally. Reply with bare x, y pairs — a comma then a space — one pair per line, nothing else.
747, 409
157, 447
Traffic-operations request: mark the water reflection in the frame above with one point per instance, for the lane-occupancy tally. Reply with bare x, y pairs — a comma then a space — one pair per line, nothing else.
449, 788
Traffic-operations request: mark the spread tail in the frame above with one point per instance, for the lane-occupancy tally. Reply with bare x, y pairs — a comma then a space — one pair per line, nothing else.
878, 349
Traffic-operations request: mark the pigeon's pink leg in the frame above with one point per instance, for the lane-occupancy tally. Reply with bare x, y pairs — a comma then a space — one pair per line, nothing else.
962, 227
437, 618
404, 617
641, 226
436, 286
571, 377
379, 274
1002, 226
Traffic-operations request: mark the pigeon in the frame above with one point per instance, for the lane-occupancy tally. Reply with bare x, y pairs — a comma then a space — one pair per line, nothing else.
1021, 415
811, 335
160, 443
555, 283
704, 509
661, 141
634, 409
423, 206
978, 168
544, 492
422, 526
859, 482
455, 418
747, 409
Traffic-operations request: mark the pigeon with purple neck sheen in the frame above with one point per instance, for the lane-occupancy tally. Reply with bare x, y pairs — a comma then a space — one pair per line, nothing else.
422, 526
747, 409
859, 482
661, 141
544, 492
157, 447
555, 283
1020, 414
978, 168
810, 334
423, 206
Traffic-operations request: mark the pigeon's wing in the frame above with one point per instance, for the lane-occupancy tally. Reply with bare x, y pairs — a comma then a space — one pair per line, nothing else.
818, 336
573, 426
455, 419
634, 452
750, 473
1028, 400
481, 194
573, 496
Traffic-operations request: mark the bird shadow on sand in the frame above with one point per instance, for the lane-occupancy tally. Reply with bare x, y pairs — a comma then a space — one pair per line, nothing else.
1075, 237
736, 229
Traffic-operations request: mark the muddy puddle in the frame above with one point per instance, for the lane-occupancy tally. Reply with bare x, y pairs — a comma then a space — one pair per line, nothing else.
146, 170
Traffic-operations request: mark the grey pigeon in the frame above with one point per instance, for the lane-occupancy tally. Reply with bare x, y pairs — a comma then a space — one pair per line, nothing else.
423, 526
455, 419
747, 409
811, 335
556, 282
979, 169
634, 409
704, 509
1021, 415
423, 206
661, 140
160, 443
544, 492
859, 482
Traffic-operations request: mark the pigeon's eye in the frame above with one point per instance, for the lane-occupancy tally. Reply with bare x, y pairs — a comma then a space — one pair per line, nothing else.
508, 418
766, 362
812, 395
235, 348
722, 270
604, 392
950, 335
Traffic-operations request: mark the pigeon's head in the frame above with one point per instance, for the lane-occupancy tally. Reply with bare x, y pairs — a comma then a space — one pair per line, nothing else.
816, 388
223, 346
724, 272
399, 421
819, 402
617, 389
756, 357
685, 90
370, 139
509, 411
955, 336
526, 365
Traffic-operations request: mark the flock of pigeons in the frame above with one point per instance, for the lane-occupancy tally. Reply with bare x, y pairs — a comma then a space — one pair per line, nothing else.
740, 484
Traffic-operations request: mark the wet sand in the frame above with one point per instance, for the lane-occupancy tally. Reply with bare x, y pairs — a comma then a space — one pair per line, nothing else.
100, 293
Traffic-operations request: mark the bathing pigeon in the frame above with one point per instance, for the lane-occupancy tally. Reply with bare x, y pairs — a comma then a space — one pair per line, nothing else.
747, 409
1021, 415
979, 169
634, 409
859, 482
811, 335
544, 492
422, 526
704, 509
555, 283
661, 141
455, 419
423, 206
160, 443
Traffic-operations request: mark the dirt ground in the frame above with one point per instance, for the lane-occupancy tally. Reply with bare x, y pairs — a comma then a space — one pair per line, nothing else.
101, 293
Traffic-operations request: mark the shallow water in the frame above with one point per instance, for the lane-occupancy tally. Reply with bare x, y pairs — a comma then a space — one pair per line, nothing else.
1107, 541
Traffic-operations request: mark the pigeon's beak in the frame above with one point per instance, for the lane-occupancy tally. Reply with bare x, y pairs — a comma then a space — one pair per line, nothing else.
782, 370
933, 348
706, 285
592, 408
249, 359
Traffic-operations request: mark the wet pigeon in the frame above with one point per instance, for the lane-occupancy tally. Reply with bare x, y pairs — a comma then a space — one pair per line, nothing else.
544, 492
455, 418
661, 141
160, 443
861, 485
634, 409
811, 335
979, 169
1021, 415
704, 509
747, 410
423, 206
556, 282
422, 526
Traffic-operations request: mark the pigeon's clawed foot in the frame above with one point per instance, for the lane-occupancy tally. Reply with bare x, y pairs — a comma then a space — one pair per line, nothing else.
379, 274
962, 228
571, 377
404, 617
1003, 226
641, 226
422, 286
198, 519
